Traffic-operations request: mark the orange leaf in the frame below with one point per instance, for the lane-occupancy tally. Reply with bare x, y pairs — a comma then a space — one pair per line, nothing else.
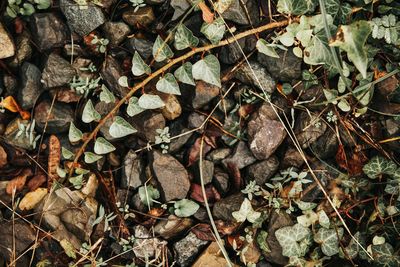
54, 158
208, 16
18, 182
10, 104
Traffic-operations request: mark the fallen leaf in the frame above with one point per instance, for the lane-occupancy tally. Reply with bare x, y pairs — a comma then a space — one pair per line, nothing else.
235, 242
211, 193
237, 177
208, 16
194, 151
54, 159
10, 104
3, 157
36, 181
203, 232
18, 182
31, 199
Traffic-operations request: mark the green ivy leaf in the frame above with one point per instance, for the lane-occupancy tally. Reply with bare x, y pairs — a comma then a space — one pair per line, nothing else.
120, 128
27, 10
214, 31
106, 95
246, 212
290, 238
168, 85
66, 153
262, 241
353, 248
89, 114
323, 219
74, 134
161, 50
43, 4
378, 166
184, 73
102, 146
147, 101
148, 194
296, 7
318, 52
308, 218
139, 67
266, 48
351, 38
133, 107
384, 255
344, 105
329, 241
184, 38
339, 10
91, 157
331, 95
208, 70
123, 81
185, 208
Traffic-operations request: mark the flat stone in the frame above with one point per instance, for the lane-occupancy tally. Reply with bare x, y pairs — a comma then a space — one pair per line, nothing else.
204, 93
144, 16
241, 157
187, 249
262, 171
172, 108
132, 172
212, 257
292, 158
208, 171
240, 11
116, 32
232, 53
7, 47
23, 51
147, 246
217, 155
262, 78
147, 123
57, 71
59, 120
143, 46
223, 208
31, 88
172, 227
221, 180
308, 129
48, 31
111, 72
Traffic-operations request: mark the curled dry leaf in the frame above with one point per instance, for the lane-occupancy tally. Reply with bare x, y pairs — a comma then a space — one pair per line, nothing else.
36, 181
10, 104
32, 199
194, 151
211, 193
18, 182
3, 157
54, 158
208, 16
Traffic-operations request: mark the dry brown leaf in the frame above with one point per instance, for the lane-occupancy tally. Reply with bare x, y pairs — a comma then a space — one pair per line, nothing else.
54, 158
10, 104
31, 199
18, 182
3, 157
208, 16
36, 182
211, 193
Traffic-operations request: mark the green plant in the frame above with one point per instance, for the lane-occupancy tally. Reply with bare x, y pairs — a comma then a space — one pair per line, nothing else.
27, 130
84, 86
163, 139
137, 4
100, 43
25, 7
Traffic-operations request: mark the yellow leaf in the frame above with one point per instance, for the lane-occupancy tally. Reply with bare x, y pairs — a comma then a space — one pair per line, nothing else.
31, 199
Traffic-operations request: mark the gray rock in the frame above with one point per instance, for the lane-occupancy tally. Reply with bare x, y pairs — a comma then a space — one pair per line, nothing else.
144, 16
180, 7
195, 120
223, 208
82, 21
217, 155
171, 175
292, 158
221, 180
241, 157
111, 72
245, 74
326, 146
31, 88
23, 51
48, 31
232, 53
325, 174
172, 227
116, 32
147, 246
265, 133
286, 68
73, 50
187, 249
132, 171
240, 11
262, 171
7, 47
208, 171
61, 117
308, 129
143, 46
10, 84
204, 93
147, 123
57, 71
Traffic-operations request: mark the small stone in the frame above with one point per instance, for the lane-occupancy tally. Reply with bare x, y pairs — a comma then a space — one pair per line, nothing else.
204, 93
208, 171
176, 128
219, 154
241, 157
292, 158
7, 47
144, 16
171, 175
212, 257
82, 20
143, 46
326, 146
265, 133
262, 171
147, 123
111, 72
73, 50
286, 68
61, 117
172, 109
308, 129
57, 71
10, 84
48, 31
223, 208
240, 11
104, 108
252, 254
195, 120
262, 78
221, 180
23, 51
147, 246
116, 32
232, 53
172, 227
31, 88
132, 172
187, 249
3, 157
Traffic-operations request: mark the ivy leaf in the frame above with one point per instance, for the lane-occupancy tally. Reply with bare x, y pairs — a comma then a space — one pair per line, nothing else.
208, 70
185, 208
289, 238
102, 146
148, 194
214, 31
89, 114
353, 248
339, 10
133, 107
106, 95
323, 219
318, 52
120, 128
184, 38
147, 101
308, 218
329, 241
351, 38
184, 73
68, 248
66, 153
331, 96
265, 48
43, 4
296, 7
378, 166
344, 105
139, 67
74, 134
123, 81
161, 50
384, 255
168, 85
91, 157
246, 212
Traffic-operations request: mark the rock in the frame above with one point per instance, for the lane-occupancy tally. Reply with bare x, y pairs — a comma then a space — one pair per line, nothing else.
172, 227
277, 221
143, 16
241, 157
23, 51
146, 246
223, 208
286, 68
57, 71
219, 154
212, 257
292, 158
172, 109
31, 88
232, 53
116, 32
208, 171
3, 157
70, 214
204, 93
31, 199
143, 46
221, 180
265, 133
326, 146
240, 11
82, 21
308, 129
7, 47
176, 128
245, 74
180, 7
187, 249
48, 31
61, 117
251, 255
111, 72
16, 237
262, 171
195, 120
171, 175
147, 123
10, 84
132, 172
